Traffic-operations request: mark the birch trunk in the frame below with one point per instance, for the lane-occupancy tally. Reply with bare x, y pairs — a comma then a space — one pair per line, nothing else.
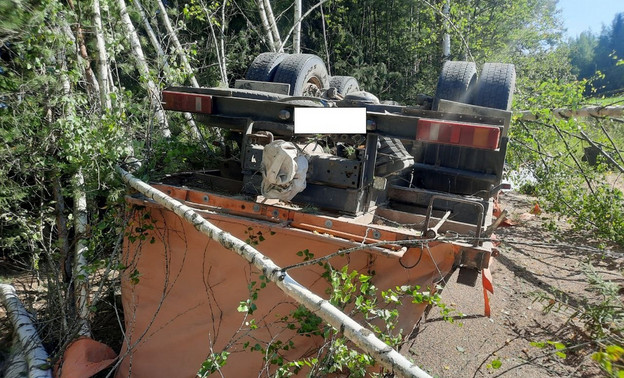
151, 35
82, 53
176, 43
93, 87
222, 41
360, 336
265, 24
587, 111
16, 364
273, 26
297, 24
161, 55
35, 354
137, 51
312, 8
105, 101
79, 277
63, 241
80, 274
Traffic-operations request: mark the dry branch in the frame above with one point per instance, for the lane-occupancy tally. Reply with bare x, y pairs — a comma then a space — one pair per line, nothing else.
360, 336
602, 152
35, 354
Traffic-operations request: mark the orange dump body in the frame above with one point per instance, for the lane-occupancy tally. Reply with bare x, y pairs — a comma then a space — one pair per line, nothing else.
181, 291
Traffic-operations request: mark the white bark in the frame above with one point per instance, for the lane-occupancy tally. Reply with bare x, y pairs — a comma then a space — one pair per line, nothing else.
273, 26
176, 43
17, 365
151, 35
265, 24
34, 352
161, 55
222, 42
587, 111
80, 275
86, 70
360, 336
297, 24
102, 75
290, 32
137, 52
446, 37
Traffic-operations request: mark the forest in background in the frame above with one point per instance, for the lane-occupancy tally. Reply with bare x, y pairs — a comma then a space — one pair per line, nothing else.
79, 94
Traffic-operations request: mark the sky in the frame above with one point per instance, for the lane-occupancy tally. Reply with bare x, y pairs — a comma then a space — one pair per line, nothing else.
581, 15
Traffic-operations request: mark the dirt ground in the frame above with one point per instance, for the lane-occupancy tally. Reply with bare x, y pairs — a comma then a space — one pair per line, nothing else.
534, 263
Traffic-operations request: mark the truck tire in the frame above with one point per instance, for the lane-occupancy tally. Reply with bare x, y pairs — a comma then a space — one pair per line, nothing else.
344, 84
455, 82
392, 157
305, 73
495, 87
265, 65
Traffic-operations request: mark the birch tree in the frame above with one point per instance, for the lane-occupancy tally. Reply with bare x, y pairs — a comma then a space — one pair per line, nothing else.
28, 341
171, 34
265, 24
297, 32
279, 46
103, 69
141, 63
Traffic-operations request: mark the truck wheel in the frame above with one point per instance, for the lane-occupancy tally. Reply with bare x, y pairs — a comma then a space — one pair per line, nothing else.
344, 84
265, 65
455, 82
305, 73
495, 87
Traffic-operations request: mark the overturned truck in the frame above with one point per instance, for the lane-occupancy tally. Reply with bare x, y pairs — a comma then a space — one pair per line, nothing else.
318, 175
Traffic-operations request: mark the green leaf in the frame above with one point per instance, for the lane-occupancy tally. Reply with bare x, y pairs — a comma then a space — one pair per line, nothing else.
496, 364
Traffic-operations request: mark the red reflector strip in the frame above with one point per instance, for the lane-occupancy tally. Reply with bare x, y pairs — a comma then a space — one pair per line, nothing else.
459, 134
187, 102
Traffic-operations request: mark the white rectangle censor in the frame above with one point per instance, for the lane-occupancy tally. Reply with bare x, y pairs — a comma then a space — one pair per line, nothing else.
330, 120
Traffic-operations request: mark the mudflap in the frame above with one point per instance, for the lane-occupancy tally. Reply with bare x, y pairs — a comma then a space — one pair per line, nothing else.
467, 276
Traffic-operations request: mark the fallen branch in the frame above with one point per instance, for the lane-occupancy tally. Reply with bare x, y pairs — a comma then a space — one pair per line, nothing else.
588, 111
34, 353
602, 152
360, 336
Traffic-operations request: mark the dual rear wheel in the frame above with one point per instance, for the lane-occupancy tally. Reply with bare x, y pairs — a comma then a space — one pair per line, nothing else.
494, 89
305, 73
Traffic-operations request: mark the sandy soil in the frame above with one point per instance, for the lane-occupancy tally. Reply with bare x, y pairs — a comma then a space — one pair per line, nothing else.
534, 264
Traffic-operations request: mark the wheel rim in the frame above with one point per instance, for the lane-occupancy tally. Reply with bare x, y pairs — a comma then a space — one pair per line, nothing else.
313, 87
